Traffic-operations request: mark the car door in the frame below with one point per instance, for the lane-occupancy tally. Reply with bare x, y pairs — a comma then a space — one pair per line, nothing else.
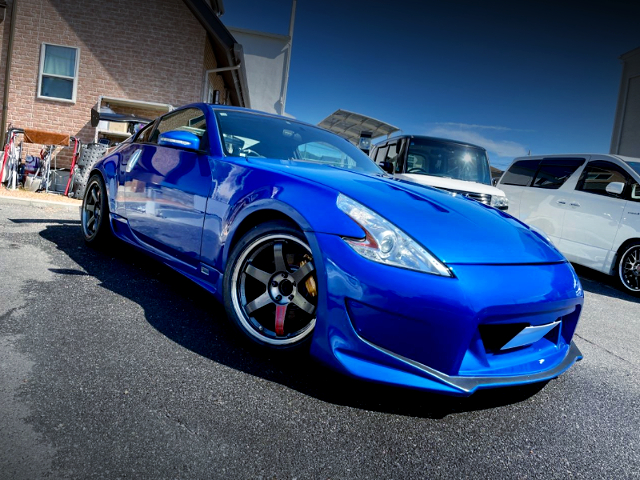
167, 186
593, 215
630, 223
129, 154
516, 180
543, 204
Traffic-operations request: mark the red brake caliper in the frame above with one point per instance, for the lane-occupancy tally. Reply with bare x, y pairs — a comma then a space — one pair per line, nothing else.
281, 312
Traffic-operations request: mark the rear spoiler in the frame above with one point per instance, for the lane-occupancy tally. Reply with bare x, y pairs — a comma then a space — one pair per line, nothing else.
96, 116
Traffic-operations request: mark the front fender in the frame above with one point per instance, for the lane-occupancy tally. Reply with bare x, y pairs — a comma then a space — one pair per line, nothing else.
244, 192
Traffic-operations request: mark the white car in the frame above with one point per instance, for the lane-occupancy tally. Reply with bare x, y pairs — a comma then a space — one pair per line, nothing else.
588, 205
446, 164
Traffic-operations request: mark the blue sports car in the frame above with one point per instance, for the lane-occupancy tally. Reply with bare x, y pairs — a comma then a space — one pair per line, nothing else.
310, 245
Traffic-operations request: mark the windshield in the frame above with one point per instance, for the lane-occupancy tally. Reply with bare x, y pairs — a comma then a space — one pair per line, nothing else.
247, 134
440, 158
635, 166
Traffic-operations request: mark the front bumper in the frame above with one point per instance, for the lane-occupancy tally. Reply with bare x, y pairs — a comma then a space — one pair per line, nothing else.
412, 329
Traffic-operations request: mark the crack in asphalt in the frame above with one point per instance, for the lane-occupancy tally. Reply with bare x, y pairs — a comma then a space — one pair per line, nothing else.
606, 350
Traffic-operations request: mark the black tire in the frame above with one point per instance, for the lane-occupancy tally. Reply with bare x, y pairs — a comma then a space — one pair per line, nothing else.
88, 158
94, 215
270, 287
628, 268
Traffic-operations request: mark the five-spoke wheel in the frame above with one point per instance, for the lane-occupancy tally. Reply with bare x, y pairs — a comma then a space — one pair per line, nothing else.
271, 286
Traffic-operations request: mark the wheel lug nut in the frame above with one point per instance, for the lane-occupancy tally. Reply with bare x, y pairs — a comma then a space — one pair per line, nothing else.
293, 283
285, 275
278, 298
290, 297
274, 284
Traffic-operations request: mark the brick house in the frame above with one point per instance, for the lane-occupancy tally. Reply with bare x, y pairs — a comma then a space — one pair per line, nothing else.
60, 57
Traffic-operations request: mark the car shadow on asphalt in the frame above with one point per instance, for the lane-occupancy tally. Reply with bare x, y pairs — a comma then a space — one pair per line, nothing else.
602, 284
191, 317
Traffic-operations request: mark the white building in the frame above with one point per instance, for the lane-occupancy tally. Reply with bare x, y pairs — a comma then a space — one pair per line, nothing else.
625, 139
266, 57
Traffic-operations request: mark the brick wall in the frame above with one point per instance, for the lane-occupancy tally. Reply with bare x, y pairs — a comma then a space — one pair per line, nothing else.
149, 50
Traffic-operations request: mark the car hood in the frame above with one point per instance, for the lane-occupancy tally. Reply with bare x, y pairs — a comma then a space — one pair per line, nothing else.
451, 184
456, 229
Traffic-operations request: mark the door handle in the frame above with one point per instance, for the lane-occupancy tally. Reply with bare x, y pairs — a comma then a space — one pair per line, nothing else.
574, 204
562, 202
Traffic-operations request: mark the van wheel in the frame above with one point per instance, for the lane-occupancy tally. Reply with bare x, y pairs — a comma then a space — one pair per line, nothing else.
629, 268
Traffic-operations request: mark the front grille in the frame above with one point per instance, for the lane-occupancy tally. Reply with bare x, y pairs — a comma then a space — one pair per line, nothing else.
479, 197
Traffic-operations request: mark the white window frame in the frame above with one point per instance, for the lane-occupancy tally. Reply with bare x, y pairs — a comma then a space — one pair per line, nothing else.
74, 78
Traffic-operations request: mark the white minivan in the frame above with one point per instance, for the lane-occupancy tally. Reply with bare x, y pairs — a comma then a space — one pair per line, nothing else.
588, 205
437, 162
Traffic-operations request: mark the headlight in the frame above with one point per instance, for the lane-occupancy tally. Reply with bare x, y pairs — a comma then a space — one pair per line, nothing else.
499, 202
386, 243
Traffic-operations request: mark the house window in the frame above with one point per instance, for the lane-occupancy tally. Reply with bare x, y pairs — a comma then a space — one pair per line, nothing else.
58, 77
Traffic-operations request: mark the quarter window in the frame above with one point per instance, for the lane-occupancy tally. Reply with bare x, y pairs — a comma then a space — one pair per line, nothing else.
381, 154
597, 175
58, 77
145, 134
393, 157
553, 173
520, 173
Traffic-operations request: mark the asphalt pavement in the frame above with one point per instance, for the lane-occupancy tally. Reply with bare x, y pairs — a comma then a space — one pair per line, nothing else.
114, 366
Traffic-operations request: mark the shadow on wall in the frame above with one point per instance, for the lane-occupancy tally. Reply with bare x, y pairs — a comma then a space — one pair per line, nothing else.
130, 41
192, 318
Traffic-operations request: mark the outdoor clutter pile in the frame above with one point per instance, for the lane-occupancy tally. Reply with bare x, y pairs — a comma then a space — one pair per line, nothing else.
36, 172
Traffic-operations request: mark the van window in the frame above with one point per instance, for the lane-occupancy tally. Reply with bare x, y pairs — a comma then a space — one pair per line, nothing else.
553, 173
392, 157
381, 154
597, 175
520, 173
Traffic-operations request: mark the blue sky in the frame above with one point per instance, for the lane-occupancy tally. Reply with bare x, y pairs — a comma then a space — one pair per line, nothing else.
513, 77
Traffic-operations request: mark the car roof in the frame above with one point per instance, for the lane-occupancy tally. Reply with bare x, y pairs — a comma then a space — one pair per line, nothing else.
217, 107
561, 156
439, 139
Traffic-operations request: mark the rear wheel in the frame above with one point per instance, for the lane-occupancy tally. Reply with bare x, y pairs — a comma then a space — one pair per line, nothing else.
629, 268
270, 287
95, 211
88, 158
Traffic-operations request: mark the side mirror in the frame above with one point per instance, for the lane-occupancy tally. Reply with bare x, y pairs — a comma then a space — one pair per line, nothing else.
615, 188
387, 166
179, 139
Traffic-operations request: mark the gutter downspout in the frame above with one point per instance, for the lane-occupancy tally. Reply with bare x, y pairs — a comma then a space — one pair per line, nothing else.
216, 70
283, 98
7, 72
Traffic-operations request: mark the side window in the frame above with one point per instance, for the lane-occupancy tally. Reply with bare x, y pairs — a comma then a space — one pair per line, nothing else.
190, 120
520, 173
392, 157
553, 173
144, 134
597, 175
381, 154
